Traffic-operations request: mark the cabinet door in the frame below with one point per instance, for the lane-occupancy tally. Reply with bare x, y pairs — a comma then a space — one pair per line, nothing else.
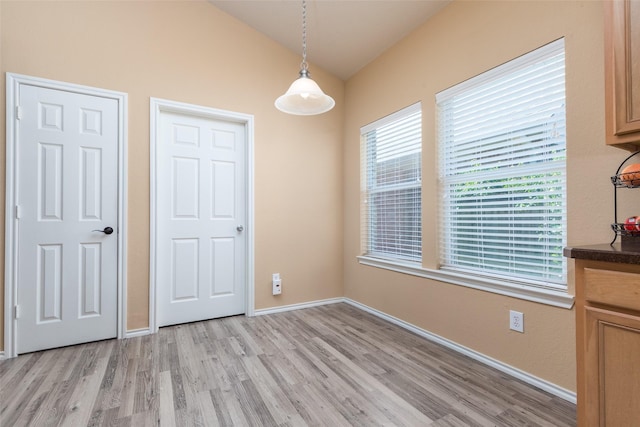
622, 71
612, 365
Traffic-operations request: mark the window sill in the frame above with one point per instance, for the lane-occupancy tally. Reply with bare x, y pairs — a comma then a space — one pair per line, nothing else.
542, 296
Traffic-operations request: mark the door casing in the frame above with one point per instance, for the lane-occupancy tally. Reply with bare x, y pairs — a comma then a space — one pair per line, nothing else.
162, 105
13, 83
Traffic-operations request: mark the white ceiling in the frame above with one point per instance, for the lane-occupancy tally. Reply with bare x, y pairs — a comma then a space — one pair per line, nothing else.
342, 35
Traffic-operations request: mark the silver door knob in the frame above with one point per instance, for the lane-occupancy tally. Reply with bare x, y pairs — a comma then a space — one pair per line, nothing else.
239, 228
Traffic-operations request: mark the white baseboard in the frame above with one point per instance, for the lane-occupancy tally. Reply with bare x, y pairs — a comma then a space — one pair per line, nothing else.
507, 369
2, 355
291, 307
137, 333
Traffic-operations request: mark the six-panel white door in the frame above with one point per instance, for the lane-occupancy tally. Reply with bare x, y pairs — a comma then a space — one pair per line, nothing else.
67, 188
200, 214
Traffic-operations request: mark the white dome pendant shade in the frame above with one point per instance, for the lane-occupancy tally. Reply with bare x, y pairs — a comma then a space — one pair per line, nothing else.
304, 97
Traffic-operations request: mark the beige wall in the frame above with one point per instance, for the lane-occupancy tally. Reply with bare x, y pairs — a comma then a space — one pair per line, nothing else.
463, 40
191, 52
307, 181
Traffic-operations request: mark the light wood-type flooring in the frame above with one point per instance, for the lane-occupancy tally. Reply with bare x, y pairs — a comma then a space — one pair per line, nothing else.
332, 365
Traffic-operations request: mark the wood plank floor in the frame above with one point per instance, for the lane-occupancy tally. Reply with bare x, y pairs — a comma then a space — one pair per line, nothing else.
333, 365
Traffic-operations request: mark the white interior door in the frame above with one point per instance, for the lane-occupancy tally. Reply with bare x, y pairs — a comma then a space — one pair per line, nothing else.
200, 218
67, 164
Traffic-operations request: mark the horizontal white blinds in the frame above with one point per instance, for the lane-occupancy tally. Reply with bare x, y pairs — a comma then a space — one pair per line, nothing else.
502, 171
392, 194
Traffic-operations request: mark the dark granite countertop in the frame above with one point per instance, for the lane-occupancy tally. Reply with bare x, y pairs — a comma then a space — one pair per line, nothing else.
605, 252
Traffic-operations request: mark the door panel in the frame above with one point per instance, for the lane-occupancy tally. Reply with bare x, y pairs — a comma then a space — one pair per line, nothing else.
200, 267
90, 279
223, 188
49, 295
67, 187
91, 184
50, 182
185, 270
222, 252
184, 191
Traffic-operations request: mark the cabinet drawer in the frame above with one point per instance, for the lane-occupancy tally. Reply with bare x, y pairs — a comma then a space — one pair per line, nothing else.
612, 287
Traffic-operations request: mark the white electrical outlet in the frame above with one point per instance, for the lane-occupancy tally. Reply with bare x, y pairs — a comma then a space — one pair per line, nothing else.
516, 321
276, 282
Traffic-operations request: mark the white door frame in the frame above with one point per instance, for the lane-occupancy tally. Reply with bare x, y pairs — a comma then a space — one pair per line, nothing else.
162, 105
14, 81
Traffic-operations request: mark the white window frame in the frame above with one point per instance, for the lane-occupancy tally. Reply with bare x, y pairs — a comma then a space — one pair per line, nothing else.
494, 284
374, 245
549, 170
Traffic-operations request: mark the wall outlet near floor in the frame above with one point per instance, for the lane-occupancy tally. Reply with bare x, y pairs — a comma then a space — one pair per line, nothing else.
516, 321
277, 283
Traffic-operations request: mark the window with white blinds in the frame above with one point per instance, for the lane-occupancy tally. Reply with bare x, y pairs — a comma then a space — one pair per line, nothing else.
391, 155
502, 159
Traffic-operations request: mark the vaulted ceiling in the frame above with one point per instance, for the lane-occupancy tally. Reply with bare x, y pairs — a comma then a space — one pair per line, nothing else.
342, 35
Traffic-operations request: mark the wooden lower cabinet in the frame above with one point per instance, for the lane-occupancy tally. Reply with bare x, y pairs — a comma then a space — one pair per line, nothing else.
608, 339
612, 368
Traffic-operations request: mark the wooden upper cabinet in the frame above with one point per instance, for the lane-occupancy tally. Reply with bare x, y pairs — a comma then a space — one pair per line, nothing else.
622, 73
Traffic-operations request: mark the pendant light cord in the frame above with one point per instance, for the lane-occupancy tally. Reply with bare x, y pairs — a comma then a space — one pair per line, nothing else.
304, 66
304, 97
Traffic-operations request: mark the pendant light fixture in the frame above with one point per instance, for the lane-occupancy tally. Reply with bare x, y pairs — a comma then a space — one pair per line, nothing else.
304, 97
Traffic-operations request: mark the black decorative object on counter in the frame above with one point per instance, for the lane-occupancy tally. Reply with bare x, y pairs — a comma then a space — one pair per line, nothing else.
629, 235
